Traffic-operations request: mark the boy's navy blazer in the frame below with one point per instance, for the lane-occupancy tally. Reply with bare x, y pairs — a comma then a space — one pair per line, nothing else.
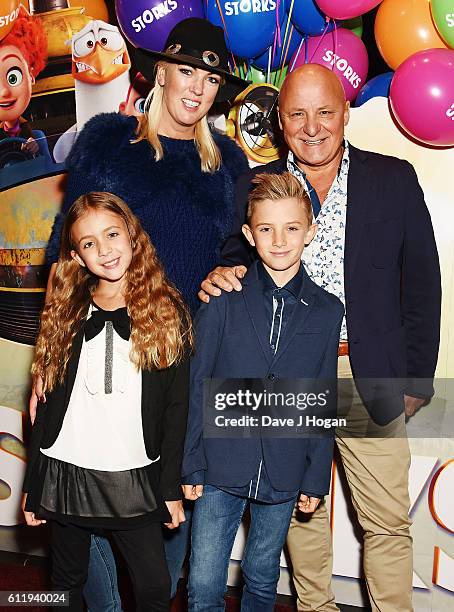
232, 334
165, 398
391, 277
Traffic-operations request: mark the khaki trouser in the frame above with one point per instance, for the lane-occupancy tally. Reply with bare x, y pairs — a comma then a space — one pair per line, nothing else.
377, 475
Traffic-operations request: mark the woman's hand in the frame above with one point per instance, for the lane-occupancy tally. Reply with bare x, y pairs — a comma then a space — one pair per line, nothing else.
30, 516
36, 395
192, 492
176, 511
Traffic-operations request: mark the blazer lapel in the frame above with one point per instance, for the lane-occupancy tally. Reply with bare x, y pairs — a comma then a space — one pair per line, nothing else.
358, 195
299, 315
254, 300
73, 364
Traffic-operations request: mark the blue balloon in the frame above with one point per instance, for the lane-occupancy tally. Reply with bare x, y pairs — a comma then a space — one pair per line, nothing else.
261, 62
307, 17
249, 24
378, 86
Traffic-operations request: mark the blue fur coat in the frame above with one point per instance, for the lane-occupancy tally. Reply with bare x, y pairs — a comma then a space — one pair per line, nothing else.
187, 213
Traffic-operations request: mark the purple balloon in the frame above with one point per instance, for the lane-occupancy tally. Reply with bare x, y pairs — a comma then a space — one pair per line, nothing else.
422, 96
147, 23
340, 51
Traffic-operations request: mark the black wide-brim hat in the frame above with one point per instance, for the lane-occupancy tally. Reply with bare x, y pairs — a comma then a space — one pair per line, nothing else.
195, 42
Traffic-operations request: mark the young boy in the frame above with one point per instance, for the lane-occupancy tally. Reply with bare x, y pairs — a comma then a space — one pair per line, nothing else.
281, 325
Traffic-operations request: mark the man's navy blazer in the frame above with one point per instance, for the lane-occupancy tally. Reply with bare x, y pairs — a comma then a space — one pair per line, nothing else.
232, 335
391, 278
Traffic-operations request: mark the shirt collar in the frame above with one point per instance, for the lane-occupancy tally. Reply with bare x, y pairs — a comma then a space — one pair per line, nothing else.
293, 286
293, 167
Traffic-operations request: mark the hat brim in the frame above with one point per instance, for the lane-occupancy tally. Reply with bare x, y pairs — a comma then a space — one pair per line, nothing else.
145, 62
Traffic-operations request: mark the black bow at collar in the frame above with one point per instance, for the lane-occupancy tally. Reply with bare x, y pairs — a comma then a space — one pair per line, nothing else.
120, 320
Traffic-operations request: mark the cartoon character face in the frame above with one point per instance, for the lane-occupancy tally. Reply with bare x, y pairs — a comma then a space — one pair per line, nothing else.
15, 83
99, 53
137, 94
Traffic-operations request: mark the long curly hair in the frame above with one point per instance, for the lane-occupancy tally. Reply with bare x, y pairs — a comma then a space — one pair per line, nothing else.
161, 328
29, 36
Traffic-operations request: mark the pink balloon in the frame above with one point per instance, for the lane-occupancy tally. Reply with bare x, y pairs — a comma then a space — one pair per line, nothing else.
422, 96
341, 51
346, 9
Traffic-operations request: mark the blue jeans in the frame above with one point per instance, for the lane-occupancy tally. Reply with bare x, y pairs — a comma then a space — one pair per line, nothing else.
101, 590
176, 545
217, 516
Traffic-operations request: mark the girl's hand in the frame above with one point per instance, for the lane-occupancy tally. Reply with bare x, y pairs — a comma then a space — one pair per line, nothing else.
31, 146
192, 492
307, 504
30, 516
176, 512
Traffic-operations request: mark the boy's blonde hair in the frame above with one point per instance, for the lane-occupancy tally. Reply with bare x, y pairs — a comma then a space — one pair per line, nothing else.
210, 155
276, 187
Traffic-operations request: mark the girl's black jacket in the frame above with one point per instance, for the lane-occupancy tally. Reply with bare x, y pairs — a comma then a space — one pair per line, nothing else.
164, 415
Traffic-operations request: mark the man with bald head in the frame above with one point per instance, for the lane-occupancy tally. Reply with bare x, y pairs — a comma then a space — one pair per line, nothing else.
375, 250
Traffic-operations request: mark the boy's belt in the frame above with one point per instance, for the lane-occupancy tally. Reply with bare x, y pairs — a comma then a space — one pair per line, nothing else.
343, 348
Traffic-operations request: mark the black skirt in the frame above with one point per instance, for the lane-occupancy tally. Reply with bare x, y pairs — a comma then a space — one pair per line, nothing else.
96, 499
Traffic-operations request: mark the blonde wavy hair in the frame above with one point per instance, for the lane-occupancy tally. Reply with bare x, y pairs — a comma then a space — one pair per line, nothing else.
161, 329
210, 156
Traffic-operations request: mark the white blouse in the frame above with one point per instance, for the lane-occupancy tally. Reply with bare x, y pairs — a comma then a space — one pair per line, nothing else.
103, 431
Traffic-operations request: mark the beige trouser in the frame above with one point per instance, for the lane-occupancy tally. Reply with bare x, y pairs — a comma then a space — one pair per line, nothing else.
377, 474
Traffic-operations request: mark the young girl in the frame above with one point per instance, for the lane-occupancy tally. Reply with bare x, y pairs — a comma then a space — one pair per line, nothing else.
107, 444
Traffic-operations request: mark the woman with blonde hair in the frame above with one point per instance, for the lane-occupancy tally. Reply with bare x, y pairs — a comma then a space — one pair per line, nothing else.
178, 177
112, 353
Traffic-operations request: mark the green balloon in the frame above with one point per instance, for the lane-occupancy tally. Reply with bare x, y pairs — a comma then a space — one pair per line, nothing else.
257, 76
443, 16
355, 25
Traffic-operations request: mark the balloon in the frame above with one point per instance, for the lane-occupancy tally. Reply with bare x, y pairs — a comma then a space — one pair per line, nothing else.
340, 51
443, 16
307, 17
249, 24
422, 96
346, 9
281, 52
355, 25
147, 23
9, 11
403, 27
258, 76
378, 86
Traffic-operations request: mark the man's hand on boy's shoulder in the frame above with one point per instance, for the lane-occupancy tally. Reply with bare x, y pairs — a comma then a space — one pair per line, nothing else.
308, 504
222, 277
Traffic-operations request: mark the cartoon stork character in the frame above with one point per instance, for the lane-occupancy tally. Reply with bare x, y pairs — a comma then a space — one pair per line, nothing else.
100, 67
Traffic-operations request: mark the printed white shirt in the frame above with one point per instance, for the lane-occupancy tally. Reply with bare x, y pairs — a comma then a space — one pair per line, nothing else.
324, 257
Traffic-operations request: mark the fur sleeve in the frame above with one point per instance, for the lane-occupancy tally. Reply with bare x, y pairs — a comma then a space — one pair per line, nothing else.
102, 138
